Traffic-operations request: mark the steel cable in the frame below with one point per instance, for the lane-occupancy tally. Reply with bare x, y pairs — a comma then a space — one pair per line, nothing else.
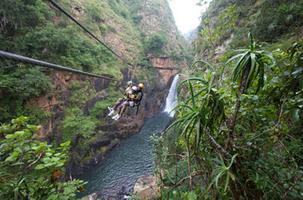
89, 32
23, 59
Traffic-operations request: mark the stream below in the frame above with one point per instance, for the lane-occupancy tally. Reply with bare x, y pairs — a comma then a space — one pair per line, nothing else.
127, 162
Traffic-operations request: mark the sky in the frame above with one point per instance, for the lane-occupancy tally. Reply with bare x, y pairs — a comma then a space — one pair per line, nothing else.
187, 14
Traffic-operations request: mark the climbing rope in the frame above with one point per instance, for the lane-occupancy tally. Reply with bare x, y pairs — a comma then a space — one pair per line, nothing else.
89, 32
23, 59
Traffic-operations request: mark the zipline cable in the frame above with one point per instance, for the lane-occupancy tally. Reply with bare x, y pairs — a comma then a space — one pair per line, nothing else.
23, 59
89, 32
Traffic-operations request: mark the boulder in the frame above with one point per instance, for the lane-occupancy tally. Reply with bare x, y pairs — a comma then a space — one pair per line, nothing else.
93, 196
146, 188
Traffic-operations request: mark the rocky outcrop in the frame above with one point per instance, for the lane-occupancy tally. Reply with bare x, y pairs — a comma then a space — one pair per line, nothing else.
146, 188
57, 100
93, 196
54, 102
156, 17
167, 67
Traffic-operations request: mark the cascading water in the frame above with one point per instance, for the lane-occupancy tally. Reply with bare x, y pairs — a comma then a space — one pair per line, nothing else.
171, 99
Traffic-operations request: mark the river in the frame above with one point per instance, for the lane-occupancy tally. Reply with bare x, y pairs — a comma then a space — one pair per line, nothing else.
132, 159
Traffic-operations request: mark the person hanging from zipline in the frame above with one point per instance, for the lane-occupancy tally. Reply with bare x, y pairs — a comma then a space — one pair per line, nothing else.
133, 96
127, 93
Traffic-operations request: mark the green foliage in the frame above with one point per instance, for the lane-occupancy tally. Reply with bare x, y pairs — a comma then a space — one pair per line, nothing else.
277, 18
249, 142
24, 82
155, 44
213, 32
64, 47
75, 124
250, 66
171, 195
18, 84
222, 170
202, 116
101, 107
81, 92
137, 19
228, 21
37, 115
31, 169
13, 18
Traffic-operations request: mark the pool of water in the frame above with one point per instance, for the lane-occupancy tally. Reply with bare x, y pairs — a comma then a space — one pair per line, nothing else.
127, 162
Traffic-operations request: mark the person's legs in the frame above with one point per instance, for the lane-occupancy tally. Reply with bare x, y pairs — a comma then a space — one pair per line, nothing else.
118, 103
121, 109
114, 108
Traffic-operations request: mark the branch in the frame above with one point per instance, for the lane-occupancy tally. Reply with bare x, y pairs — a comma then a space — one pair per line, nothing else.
34, 162
196, 173
218, 146
178, 155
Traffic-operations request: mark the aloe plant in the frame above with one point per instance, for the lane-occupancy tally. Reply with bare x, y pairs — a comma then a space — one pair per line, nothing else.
200, 113
222, 170
249, 68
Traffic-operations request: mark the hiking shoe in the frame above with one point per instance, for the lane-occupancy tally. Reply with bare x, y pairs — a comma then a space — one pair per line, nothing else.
111, 111
116, 117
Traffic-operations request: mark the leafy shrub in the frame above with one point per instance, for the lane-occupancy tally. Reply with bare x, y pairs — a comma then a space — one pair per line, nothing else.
155, 44
31, 169
18, 85
75, 124
277, 18
12, 16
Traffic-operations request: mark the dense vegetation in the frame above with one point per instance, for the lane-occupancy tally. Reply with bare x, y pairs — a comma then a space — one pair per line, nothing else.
238, 129
31, 169
239, 121
230, 20
35, 35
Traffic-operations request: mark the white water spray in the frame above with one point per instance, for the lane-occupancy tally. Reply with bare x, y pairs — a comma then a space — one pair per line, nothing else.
171, 99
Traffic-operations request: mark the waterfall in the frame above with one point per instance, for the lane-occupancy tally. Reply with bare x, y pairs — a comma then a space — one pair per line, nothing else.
171, 99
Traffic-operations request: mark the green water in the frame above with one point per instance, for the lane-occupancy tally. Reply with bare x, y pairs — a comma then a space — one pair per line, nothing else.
132, 159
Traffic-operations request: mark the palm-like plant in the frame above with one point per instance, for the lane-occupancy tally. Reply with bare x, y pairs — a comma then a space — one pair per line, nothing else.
250, 66
222, 170
200, 113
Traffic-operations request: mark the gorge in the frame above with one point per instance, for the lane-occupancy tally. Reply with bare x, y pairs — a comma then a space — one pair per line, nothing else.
221, 116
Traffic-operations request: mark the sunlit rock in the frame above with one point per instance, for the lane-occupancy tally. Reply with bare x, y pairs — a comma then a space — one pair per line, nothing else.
146, 188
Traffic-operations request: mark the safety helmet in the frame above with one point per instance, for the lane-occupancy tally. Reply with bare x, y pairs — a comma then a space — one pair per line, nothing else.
129, 83
141, 85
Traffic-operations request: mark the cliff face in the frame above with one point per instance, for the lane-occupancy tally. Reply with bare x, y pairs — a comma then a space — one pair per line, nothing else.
225, 24
77, 105
166, 67
156, 17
